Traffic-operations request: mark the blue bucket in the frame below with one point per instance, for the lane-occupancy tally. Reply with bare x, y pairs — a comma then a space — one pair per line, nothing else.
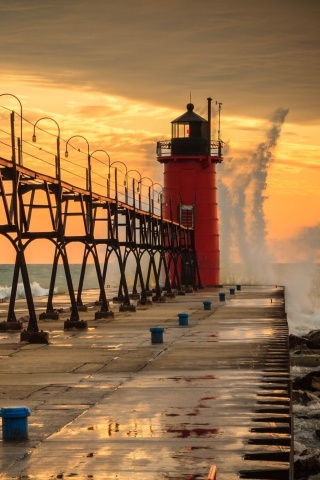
232, 291
222, 297
15, 423
207, 305
238, 287
183, 318
157, 334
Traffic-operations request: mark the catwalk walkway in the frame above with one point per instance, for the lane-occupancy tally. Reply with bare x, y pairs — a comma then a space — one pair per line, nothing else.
106, 403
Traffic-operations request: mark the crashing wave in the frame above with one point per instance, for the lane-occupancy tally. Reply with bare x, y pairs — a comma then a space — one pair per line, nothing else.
36, 289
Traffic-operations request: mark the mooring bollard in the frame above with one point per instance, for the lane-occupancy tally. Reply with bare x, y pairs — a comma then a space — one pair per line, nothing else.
207, 305
222, 297
183, 318
157, 334
15, 423
232, 291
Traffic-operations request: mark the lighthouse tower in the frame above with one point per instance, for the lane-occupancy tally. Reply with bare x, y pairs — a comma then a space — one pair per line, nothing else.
190, 192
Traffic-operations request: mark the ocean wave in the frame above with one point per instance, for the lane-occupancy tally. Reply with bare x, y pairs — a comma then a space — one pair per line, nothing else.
36, 289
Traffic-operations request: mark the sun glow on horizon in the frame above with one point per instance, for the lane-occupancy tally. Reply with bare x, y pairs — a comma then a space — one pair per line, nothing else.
128, 130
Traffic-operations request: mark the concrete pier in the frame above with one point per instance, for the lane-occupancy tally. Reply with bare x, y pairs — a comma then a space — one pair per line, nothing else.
107, 403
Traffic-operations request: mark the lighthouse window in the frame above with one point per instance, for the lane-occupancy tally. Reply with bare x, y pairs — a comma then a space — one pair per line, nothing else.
180, 130
186, 215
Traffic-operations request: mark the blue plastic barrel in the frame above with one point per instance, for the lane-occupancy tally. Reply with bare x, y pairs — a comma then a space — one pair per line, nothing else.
232, 291
157, 334
222, 297
14, 423
207, 305
183, 318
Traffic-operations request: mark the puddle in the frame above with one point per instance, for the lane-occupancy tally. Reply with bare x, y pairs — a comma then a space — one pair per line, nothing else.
193, 432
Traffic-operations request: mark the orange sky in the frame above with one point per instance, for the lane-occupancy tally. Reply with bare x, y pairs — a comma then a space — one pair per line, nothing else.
119, 76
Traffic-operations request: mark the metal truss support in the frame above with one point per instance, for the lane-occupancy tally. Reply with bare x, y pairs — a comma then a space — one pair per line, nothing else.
92, 249
159, 251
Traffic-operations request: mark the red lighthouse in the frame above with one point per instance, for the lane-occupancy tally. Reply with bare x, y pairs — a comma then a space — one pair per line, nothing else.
190, 191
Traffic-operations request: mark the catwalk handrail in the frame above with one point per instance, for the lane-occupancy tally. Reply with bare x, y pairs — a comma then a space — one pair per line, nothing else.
104, 179
39, 177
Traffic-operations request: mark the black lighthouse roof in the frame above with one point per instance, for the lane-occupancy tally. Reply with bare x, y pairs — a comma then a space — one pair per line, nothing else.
189, 116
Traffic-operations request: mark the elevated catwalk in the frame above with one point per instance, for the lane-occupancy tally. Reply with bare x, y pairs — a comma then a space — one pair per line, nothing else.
107, 403
35, 206
77, 204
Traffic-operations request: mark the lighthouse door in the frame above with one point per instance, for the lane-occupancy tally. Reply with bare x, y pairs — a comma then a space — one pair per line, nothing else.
186, 215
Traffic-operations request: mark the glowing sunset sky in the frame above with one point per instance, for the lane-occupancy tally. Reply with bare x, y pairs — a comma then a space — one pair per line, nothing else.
118, 72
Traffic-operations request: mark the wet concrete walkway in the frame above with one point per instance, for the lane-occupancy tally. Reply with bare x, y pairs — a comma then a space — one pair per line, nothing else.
107, 404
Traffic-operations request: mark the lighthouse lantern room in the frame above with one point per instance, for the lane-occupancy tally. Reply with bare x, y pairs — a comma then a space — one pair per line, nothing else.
190, 191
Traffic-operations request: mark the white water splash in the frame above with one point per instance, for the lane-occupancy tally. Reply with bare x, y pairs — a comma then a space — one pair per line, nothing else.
243, 228
36, 289
245, 257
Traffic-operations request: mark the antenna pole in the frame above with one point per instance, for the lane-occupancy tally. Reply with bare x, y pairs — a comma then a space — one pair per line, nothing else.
219, 132
209, 126
219, 106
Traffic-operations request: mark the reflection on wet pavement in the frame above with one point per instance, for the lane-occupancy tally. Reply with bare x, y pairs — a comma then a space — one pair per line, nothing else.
107, 404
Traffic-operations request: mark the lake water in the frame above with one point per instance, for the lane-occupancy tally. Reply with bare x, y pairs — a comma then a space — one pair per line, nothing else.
301, 281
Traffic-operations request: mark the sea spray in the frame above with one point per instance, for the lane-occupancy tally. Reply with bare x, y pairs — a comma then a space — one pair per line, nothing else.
302, 280
245, 257
241, 185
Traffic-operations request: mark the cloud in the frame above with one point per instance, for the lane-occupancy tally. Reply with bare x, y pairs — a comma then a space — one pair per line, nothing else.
256, 55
